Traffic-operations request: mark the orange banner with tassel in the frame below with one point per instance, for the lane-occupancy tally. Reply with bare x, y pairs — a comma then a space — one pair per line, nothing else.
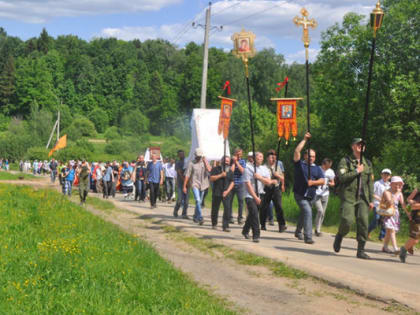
225, 114
286, 117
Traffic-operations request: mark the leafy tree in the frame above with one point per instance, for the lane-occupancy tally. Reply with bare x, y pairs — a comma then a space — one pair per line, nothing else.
80, 127
7, 86
134, 123
111, 133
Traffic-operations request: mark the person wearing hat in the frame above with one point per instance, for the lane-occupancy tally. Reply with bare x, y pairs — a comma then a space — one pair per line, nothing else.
198, 172
391, 199
379, 187
349, 169
83, 172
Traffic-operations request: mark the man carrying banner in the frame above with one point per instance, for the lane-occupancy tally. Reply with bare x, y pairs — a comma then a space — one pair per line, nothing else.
304, 188
349, 169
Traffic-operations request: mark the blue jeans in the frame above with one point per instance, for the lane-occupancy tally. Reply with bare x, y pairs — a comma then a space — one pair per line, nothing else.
198, 196
69, 184
375, 222
53, 176
305, 217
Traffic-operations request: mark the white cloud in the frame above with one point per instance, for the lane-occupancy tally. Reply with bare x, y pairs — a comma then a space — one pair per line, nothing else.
299, 56
40, 11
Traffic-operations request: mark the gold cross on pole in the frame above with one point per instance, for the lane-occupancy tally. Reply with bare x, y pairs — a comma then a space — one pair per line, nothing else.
305, 23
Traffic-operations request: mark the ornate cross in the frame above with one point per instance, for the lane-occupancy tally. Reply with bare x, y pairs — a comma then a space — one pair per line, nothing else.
306, 23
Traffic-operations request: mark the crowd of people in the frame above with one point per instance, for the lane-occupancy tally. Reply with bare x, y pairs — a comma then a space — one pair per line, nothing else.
259, 185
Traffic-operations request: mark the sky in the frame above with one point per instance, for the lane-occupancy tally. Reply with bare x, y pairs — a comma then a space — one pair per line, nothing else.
270, 21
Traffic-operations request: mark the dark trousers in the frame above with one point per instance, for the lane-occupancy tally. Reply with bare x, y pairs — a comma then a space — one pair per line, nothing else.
114, 188
107, 188
252, 221
274, 194
227, 210
169, 181
154, 191
239, 191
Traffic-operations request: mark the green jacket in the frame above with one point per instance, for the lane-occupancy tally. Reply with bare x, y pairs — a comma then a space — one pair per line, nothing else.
347, 176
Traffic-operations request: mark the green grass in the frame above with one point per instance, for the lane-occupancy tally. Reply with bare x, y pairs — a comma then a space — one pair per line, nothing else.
277, 268
57, 258
15, 176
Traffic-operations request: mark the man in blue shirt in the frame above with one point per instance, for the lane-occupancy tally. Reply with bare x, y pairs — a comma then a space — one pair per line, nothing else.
239, 188
154, 176
304, 189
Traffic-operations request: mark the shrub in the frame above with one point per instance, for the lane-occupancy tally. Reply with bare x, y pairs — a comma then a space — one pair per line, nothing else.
37, 153
111, 133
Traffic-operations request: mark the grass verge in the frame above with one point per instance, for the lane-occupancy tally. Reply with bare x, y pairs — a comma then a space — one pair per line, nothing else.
55, 257
16, 176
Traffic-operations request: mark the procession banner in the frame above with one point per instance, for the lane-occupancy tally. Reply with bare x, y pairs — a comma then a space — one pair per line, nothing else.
286, 117
225, 115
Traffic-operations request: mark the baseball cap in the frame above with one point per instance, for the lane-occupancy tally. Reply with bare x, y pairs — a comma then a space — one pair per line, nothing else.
396, 179
356, 140
198, 152
386, 170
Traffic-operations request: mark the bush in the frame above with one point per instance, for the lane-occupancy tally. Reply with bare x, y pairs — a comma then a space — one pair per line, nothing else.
80, 127
111, 133
37, 153
73, 152
100, 119
117, 146
134, 123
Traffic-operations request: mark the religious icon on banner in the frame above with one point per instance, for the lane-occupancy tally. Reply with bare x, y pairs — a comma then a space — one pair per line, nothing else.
286, 117
244, 44
225, 114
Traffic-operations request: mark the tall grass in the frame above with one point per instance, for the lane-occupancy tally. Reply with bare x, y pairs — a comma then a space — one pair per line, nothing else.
57, 258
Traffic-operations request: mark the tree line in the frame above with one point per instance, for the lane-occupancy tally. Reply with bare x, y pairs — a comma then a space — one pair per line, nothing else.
131, 89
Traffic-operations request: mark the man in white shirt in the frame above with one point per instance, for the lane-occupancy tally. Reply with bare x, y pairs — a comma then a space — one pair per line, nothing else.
378, 189
170, 175
322, 194
252, 198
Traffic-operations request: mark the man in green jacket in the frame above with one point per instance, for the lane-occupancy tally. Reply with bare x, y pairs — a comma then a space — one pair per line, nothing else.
355, 203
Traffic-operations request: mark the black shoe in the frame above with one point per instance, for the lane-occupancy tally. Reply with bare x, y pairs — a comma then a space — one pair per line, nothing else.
256, 240
309, 241
184, 216
337, 242
282, 228
232, 221
175, 214
403, 254
201, 222
240, 221
214, 227
299, 236
271, 222
318, 234
361, 250
263, 228
246, 235
195, 220
362, 255
225, 229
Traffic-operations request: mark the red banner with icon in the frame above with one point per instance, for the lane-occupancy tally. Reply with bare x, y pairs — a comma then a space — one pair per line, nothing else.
224, 117
286, 118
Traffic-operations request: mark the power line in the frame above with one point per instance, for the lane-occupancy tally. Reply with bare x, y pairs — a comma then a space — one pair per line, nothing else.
229, 7
251, 15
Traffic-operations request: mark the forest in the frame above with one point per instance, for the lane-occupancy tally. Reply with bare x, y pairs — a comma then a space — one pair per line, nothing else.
132, 93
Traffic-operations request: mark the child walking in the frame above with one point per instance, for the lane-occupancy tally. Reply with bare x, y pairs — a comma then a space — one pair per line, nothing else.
392, 198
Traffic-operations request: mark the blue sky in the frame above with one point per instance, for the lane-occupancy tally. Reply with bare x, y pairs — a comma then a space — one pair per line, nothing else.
271, 21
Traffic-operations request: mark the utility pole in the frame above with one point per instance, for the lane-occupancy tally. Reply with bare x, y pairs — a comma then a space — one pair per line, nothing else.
207, 29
